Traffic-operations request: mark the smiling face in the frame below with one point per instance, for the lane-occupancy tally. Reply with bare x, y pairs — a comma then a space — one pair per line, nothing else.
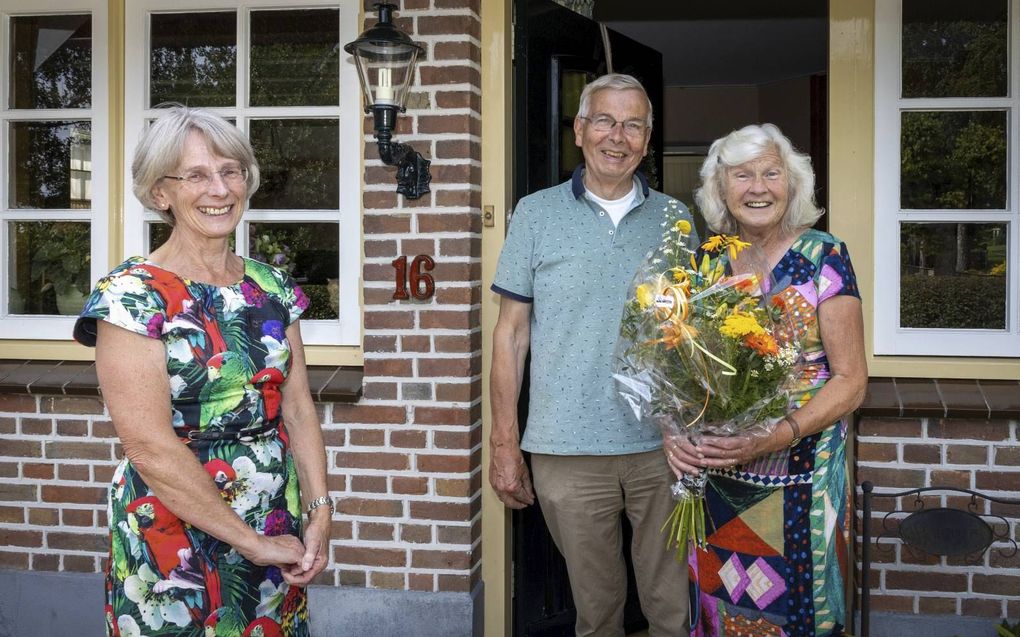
612, 156
209, 209
757, 193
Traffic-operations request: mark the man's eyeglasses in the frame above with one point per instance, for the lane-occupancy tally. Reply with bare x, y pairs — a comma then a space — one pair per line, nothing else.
231, 176
605, 123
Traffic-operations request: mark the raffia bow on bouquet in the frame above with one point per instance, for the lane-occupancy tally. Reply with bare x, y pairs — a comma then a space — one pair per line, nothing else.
703, 352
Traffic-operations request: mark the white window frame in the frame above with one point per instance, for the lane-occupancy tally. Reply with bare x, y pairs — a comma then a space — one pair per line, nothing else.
347, 329
890, 338
21, 326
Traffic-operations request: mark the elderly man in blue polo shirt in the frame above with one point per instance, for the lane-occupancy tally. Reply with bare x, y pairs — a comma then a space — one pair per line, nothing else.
570, 254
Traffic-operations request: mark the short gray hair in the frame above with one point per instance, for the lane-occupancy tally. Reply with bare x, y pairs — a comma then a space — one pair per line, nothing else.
614, 82
742, 146
161, 146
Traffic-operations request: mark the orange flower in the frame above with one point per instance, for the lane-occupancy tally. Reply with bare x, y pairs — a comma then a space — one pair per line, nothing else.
747, 285
764, 344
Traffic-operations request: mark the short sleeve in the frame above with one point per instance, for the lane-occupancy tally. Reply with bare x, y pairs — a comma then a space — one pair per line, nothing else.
514, 274
295, 300
279, 285
122, 298
837, 274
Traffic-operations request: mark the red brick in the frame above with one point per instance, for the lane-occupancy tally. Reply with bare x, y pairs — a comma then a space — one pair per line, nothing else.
461, 247
450, 24
446, 560
458, 148
379, 199
381, 343
421, 582
103, 429
1007, 456
452, 511
410, 485
386, 223
1008, 585
445, 124
37, 471
966, 454
368, 437
369, 556
11, 537
448, 198
454, 583
17, 403
948, 478
43, 517
22, 448
357, 579
455, 535
78, 450
453, 320
890, 427
462, 100
334, 437
70, 405
341, 530
73, 495
443, 416
369, 414
379, 391
892, 603
77, 542
37, 426
8, 470
386, 580
374, 531
962, 429
77, 517
415, 343
11, 515
456, 173
462, 50
457, 439
922, 454
982, 608
12, 560
408, 439
75, 428
454, 367
926, 581
79, 563
997, 481
876, 452
378, 296
399, 367
449, 222
8, 425
458, 344
891, 477
453, 488
102, 473
400, 320
443, 464
381, 248
370, 508
18, 492
368, 484
457, 392
45, 562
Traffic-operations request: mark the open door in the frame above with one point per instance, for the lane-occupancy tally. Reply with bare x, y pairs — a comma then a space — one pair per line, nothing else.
556, 52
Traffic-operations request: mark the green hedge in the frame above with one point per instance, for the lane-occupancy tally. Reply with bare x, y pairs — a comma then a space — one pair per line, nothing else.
967, 302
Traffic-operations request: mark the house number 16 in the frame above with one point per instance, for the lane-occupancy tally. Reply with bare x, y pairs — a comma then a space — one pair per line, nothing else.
423, 285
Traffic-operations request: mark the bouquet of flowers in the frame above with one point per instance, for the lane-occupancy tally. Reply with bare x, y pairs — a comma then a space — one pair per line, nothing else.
703, 351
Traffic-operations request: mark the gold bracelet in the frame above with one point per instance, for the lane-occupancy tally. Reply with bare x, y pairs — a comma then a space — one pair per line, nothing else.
795, 428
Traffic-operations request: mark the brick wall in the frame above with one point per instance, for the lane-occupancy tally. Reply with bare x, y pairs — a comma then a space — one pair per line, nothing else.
897, 454
404, 462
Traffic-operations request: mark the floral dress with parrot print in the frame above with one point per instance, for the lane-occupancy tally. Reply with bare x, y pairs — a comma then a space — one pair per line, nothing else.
226, 357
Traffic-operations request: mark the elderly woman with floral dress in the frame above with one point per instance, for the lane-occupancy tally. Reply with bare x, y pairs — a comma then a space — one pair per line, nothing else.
199, 357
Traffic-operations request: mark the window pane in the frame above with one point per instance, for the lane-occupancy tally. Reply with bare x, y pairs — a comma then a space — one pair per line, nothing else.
571, 85
159, 232
954, 49
51, 61
49, 267
953, 275
310, 252
51, 165
193, 59
300, 162
295, 58
953, 160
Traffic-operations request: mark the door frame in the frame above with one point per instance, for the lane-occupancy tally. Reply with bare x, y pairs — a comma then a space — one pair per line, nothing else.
851, 153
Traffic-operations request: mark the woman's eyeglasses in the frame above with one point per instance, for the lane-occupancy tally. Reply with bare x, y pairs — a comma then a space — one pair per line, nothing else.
231, 176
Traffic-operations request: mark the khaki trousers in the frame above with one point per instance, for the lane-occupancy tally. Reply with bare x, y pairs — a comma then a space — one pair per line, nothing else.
582, 498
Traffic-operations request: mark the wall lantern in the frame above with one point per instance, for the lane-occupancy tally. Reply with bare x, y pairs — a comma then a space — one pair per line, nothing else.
385, 58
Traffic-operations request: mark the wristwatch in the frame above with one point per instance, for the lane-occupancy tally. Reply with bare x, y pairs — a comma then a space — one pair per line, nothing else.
322, 500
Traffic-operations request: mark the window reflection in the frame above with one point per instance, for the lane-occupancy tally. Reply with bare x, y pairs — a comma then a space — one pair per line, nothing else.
300, 163
955, 49
953, 275
193, 58
51, 61
308, 252
953, 160
51, 165
49, 264
295, 58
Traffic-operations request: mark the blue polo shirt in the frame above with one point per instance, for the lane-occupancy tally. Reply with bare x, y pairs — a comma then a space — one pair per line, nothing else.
564, 256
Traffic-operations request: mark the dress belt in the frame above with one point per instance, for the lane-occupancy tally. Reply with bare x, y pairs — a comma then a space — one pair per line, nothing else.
241, 435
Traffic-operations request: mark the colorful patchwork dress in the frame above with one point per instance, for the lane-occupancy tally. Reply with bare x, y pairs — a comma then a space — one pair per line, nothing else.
226, 357
777, 546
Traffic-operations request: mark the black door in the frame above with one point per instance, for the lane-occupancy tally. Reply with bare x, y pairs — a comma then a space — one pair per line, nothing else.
556, 52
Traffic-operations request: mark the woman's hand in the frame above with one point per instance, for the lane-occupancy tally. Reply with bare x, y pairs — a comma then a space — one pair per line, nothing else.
276, 550
315, 552
731, 451
682, 455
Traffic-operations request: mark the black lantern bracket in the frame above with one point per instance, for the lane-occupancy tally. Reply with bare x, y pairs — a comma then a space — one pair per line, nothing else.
386, 58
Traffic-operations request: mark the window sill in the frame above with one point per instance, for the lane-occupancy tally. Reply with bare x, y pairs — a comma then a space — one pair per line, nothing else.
941, 398
78, 378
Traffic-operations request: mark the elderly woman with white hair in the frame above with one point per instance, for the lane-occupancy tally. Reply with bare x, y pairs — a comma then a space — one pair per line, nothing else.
776, 558
199, 357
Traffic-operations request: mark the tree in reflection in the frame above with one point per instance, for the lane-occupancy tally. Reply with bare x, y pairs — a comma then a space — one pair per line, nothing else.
62, 79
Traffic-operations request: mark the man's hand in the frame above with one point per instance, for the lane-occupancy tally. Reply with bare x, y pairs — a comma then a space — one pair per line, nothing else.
509, 476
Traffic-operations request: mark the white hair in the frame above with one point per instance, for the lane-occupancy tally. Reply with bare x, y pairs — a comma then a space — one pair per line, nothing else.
614, 82
740, 147
160, 150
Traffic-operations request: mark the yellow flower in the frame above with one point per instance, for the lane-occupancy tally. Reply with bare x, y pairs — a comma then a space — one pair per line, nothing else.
714, 243
732, 243
644, 295
739, 324
682, 226
736, 246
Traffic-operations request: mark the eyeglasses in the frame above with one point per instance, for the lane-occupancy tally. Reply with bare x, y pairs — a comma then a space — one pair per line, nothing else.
230, 176
605, 123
